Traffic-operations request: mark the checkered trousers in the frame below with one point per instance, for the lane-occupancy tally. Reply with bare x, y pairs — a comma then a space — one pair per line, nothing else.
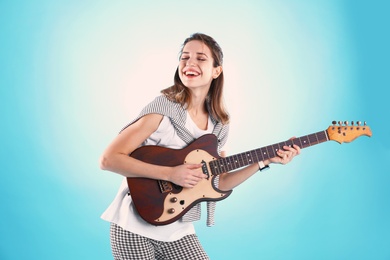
127, 245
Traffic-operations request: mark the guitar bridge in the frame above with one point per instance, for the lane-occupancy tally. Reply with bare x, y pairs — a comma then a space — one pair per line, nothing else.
165, 186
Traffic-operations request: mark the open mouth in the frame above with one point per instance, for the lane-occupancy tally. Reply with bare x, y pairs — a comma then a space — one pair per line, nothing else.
191, 73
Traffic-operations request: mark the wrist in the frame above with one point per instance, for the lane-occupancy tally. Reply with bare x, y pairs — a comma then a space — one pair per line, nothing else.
267, 162
166, 173
263, 166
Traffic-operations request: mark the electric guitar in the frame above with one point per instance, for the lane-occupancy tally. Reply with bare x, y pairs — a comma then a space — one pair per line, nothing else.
161, 202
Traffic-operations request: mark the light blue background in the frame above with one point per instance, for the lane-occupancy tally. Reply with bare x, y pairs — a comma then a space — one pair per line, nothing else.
72, 73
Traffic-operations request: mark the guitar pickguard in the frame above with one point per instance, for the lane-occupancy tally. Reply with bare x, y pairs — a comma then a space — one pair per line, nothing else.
176, 203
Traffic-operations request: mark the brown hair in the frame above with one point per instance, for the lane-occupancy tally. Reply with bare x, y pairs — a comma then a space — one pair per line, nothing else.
214, 100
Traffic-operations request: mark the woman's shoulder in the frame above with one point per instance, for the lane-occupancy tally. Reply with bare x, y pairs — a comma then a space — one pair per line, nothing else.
164, 99
163, 105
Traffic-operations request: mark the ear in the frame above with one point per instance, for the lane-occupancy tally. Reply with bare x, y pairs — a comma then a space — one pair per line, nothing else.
217, 72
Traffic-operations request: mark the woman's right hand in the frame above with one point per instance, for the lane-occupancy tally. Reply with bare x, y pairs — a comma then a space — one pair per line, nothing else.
187, 175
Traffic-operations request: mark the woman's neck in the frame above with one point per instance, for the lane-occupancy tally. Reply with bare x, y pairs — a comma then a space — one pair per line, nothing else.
197, 103
197, 110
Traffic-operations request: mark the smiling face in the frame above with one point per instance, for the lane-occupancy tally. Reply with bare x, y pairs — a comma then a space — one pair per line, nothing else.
196, 68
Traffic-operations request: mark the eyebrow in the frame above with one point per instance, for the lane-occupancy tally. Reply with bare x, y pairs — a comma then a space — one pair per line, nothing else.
199, 53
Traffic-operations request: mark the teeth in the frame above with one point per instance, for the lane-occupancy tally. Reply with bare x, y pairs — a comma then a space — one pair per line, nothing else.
192, 73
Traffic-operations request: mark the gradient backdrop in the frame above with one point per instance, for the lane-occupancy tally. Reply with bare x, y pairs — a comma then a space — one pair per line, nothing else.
74, 72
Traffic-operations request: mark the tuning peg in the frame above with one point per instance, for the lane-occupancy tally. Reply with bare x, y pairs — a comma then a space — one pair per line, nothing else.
334, 122
365, 123
352, 123
359, 123
340, 122
346, 123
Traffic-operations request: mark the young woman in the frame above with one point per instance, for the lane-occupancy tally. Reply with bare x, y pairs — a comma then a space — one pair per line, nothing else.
185, 111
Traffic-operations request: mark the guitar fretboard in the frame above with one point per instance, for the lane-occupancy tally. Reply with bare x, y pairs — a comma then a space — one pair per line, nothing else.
246, 158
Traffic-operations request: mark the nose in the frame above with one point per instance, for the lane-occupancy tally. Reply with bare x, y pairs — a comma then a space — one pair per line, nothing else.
190, 62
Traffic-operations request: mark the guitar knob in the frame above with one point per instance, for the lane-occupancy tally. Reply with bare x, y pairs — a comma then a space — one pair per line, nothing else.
174, 199
171, 211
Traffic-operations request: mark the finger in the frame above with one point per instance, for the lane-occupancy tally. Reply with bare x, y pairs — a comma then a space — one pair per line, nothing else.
297, 148
196, 173
193, 182
288, 148
194, 166
292, 150
281, 153
198, 176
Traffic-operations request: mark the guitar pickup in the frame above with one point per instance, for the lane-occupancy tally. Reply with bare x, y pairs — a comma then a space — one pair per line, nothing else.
204, 169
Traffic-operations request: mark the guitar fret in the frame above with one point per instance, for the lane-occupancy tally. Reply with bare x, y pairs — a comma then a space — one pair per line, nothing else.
323, 136
313, 139
276, 148
270, 152
243, 159
227, 165
316, 138
239, 160
264, 153
254, 156
213, 168
247, 158
259, 156
253, 160
236, 161
232, 163
300, 142
222, 165
305, 141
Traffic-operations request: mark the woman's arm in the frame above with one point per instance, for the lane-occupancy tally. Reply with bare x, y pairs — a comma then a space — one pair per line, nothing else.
116, 156
231, 180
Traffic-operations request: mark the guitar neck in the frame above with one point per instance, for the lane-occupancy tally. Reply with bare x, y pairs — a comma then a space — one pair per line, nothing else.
236, 161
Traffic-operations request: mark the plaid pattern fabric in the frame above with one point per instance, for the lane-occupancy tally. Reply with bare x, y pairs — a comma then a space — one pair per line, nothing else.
177, 114
127, 245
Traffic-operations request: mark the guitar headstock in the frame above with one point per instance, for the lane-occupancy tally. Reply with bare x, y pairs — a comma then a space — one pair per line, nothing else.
345, 132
